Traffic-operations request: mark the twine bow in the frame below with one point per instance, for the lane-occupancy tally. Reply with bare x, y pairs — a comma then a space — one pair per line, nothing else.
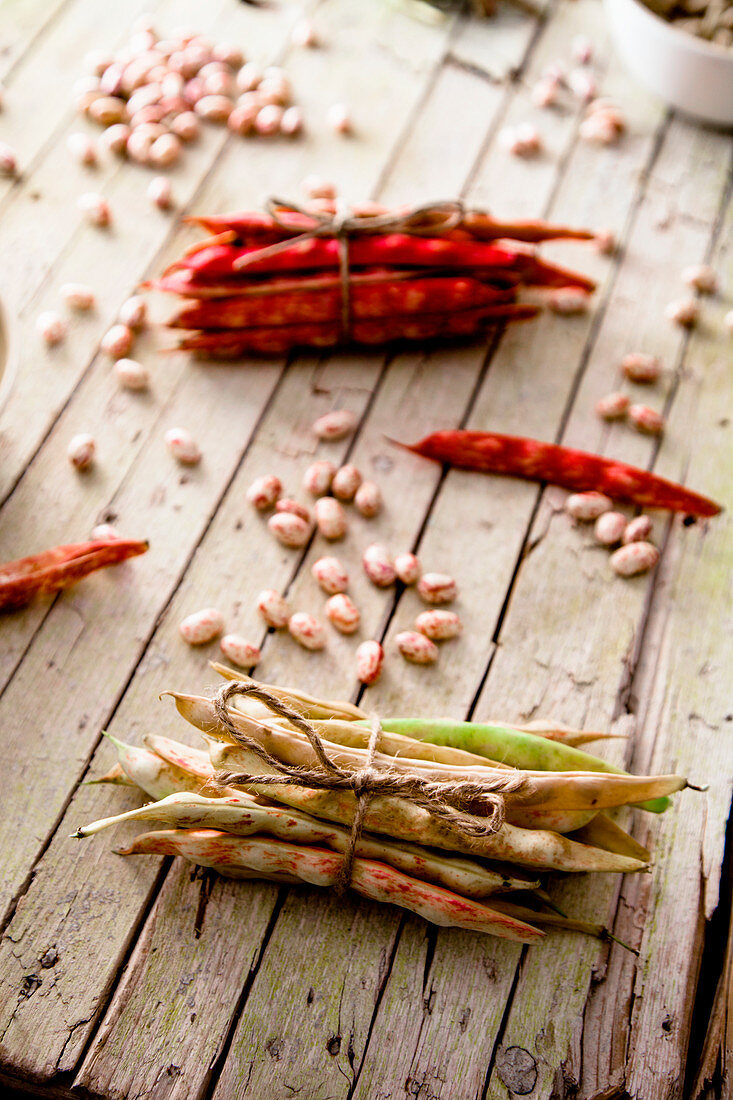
453, 802
431, 219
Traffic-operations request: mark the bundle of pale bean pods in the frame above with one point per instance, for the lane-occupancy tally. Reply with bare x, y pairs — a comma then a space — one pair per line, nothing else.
259, 827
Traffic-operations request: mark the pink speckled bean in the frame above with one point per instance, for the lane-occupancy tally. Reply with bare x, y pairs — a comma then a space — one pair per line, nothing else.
202, 626
290, 530
568, 300
330, 518
117, 341
134, 312
264, 492
273, 608
609, 528
307, 630
438, 625
378, 565
587, 506
183, 446
702, 277
104, 531
318, 477
638, 366
335, 424
330, 575
684, 311
369, 662
437, 588
634, 558
132, 375
346, 481
407, 568
646, 419
80, 451
416, 647
368, 499
343, 613
52, 327
286, 504
638, 530
613, 406
239, 651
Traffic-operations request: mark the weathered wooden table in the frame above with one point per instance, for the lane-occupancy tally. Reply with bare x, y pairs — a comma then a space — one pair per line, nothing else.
131, 978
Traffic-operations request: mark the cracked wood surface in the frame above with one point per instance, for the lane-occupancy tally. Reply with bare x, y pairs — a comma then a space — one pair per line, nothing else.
123, 978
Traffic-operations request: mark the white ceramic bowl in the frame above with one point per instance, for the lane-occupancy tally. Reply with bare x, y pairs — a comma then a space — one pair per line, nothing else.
7, 355
691, 74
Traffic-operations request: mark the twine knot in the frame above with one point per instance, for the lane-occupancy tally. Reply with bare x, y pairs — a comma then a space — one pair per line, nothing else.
453, 802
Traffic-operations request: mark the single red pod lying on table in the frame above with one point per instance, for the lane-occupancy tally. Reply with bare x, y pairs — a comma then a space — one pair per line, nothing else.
570, 469
22, 580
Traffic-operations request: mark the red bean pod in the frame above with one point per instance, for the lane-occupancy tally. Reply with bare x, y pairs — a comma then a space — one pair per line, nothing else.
60, 567
534, 460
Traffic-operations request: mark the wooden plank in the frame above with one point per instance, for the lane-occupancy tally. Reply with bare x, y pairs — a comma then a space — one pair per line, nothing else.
493, 515
578, 677
147, 495
21, 23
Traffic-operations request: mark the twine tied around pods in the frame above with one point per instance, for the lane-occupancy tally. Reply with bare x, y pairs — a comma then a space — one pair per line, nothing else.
431, 220
453, 802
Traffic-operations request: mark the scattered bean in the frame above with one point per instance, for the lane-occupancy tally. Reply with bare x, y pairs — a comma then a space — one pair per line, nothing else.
160, 192
242, 118
286, 504
239, 651
522, 140
273, 608
8, 160
408, 569
264, 492
202, 626
417, 648
568, 300
82, 148
330, 518
336, 424
635, 557
165, 151
605, 241
51, 326
369, 662
683, 311
214, 108
368, 499
346, 481
115, 138
343, 613
117, 341
437, 588
290, 530
131, 374
338, 118
105, 531
95, 208
78, 296
646, 419
378, 565
307, 630
248, 77
330, 575
640, 367
582, 84
582, 49
291, 122
183, 446
185, 126
587, 506
613, 407
318, 477
107, 110
545, 91
637, 530
438, 625
609, 528
702, 277
303, 34
81, 451
268, 119
133, 312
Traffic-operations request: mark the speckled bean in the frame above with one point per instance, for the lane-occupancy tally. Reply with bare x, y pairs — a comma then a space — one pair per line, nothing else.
343, 613
239, 651
264, 492
638, 530
683, 311
638, 366
202, 626
346, 481
183, 446
318, 477
416, 647
117, 341
330, 518
408, 568
368, 499
335, 424
287, 504
568, 300
587, 506
133, 312
331, 575
273, 608
378, 565
437, 588
646, 419
81, 450
77, 296
52, 327
307, 630
613, 406
609, 528
702, 277
369, 662
131, 374
290, 530
635, 557
438, 625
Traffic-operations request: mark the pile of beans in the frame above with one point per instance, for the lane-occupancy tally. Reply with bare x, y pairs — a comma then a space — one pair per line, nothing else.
711, 20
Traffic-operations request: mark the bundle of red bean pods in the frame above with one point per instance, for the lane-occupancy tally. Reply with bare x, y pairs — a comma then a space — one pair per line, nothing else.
265, 283
276, 794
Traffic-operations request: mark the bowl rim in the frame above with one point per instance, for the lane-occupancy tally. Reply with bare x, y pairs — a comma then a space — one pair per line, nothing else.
697, 45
